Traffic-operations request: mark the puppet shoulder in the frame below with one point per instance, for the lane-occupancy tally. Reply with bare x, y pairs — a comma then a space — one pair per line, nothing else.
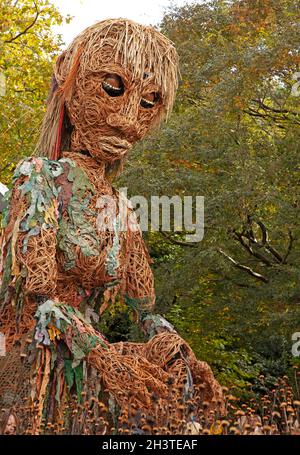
37, 169
35, 191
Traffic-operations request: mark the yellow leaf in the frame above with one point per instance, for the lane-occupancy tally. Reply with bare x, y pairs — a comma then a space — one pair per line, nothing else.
54, 333
50, 215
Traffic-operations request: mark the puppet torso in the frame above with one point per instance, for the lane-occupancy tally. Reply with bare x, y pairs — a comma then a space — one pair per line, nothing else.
70, 247
90, 258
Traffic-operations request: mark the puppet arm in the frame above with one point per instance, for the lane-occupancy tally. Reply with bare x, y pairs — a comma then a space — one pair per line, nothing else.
140, 294
139, 277
29, 229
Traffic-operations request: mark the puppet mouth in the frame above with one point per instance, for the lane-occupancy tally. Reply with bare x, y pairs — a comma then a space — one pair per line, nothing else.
115, 145
110, 149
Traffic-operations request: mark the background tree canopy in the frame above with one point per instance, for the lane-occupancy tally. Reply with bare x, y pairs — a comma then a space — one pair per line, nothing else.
27, 50
234, 139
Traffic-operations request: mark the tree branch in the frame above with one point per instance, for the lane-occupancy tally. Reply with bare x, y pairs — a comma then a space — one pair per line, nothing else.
240, 238
289, 248
266, 242
253, 113
5, 167
251, 272
11, 40
273, 109
177, 242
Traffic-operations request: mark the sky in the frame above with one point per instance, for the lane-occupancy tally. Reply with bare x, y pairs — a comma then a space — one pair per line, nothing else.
87, 12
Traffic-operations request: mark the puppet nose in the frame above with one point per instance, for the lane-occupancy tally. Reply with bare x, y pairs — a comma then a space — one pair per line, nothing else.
125, 125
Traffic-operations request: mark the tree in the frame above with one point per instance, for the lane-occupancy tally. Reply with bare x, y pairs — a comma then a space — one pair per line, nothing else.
234, 139
27, 49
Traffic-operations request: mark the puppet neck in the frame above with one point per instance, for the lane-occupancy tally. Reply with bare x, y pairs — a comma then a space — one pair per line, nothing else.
94, 169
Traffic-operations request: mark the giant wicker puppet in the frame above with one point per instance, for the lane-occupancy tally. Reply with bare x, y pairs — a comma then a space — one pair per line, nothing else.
61, 268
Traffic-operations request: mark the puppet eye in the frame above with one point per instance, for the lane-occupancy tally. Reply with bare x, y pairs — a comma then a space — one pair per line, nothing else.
113, 85
149, 100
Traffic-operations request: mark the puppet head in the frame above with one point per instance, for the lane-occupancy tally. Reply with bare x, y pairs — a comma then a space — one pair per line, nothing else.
114, 83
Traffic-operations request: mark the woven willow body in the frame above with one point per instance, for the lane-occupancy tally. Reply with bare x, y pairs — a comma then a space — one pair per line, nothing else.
61, 269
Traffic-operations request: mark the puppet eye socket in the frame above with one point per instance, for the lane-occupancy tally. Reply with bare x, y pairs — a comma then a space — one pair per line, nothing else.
149, 100
113, 85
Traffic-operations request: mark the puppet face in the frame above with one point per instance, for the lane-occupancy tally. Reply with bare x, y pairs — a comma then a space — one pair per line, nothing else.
111, 109
117, 80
